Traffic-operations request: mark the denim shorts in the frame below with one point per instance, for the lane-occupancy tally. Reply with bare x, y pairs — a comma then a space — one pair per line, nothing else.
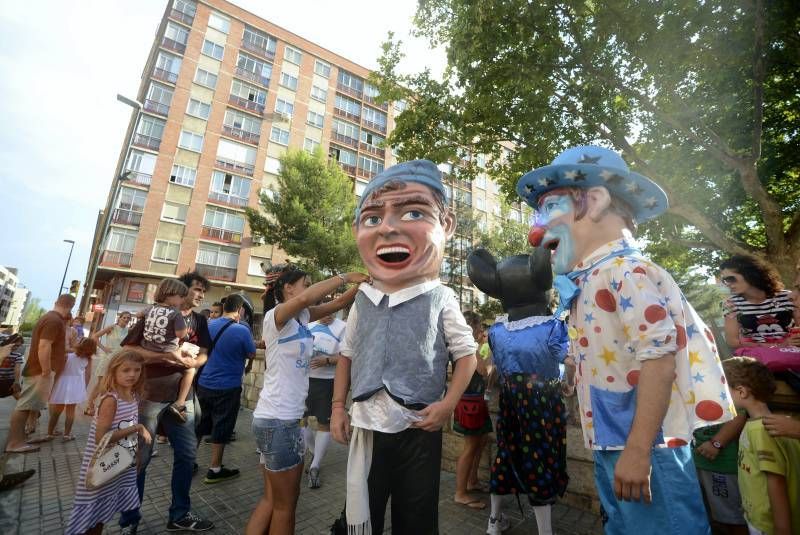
280, 442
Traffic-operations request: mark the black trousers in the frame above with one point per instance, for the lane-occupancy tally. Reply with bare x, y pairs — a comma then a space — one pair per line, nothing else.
406, 467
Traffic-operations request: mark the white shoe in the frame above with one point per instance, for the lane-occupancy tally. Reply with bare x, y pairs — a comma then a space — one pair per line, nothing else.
497, 525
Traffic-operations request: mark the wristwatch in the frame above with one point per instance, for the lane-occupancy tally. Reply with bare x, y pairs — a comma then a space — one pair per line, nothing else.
717, 444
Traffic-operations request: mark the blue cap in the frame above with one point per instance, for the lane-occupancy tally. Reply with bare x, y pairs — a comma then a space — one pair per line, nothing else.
420, 171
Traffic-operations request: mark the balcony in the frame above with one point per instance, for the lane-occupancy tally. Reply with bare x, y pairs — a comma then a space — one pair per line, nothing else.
343, 139
156, 107
227, 198
372, 149
346, 114
122, 216
171, 44
371, 101
349, 169
141, 179
374, 126
251, 76
165, 75
219, 234
241, 135
258, 49
236, 167
146, 142
217, 273
363, 173
116, 259
347, 90
246, 104
180, 16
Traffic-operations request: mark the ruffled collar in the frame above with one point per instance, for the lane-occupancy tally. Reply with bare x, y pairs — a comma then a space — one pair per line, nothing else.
524, 323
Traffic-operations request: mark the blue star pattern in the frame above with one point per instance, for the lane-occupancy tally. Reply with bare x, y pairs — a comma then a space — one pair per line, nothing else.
588, 318
625, 303
691, 330
698, 377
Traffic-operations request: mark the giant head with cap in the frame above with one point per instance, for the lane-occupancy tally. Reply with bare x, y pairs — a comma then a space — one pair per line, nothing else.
402, 224
587, 197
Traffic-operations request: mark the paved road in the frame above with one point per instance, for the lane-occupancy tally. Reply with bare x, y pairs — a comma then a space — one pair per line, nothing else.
43, 503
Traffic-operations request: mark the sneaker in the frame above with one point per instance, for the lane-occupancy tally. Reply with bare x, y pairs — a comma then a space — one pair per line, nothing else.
313, 478
130, 529
190, 522
497, 525
178, 411
222, 475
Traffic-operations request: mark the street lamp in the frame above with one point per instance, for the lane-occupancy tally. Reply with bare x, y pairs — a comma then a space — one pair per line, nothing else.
64, 278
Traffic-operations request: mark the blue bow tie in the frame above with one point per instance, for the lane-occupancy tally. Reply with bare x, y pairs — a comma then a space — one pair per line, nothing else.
565, 284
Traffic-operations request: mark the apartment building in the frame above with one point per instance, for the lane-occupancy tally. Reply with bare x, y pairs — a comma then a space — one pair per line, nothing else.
224, 93
13, 298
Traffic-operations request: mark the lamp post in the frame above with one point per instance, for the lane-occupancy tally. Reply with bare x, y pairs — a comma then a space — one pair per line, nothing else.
71, 247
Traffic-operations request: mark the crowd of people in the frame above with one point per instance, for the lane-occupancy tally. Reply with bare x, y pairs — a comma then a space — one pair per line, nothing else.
682, 436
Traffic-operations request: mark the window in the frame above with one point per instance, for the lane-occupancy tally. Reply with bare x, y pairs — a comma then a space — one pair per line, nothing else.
293, 55
223, 219
289, 81
284, 106
350, 81
348, 105
167, 67
319, 93
495, 188
272, 165
375, 117
185, 6
242, 121
480, 181
254, 266
213, 49
248, 92
322, 68
400, 106
191, 141
150, 127
131, 199
496, 210
215, 255
253, 68
205, 78
270, 194
480, 203
259, 41
371, 139
309, 145
369, 165
515, 215
198, 109
236, 152
346, 129
480, 159
218, 22
360, 187
229, 188
142, 162
177, 33
370, 91
343, 156
174, 212
279, 135
158, 98
166, 251
121, 240
182, 175
315, 119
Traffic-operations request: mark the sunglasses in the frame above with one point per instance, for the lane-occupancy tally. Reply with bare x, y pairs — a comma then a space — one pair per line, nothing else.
730, 279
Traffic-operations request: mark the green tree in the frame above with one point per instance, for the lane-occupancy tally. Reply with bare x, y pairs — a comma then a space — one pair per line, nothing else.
33, 311
700, 96
311, 215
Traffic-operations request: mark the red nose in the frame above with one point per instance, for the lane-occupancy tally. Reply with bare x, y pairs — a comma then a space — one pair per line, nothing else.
535, 236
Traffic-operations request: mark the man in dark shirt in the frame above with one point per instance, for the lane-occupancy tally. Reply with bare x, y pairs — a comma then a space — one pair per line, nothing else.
161, 389
47, 355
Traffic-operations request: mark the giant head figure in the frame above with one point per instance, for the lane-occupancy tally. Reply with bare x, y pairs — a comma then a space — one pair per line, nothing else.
402, 224
584, 199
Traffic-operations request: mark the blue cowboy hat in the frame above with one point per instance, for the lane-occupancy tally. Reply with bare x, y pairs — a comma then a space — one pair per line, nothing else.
588, 166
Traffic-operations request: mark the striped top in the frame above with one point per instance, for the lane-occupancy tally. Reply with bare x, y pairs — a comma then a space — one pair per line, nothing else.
766, 322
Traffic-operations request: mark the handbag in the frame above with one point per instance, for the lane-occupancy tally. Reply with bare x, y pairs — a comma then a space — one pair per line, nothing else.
776, 358
109, 462
471, 412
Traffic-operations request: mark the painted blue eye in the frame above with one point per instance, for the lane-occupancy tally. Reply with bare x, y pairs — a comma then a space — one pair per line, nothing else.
371, 221
412, 215
550, 206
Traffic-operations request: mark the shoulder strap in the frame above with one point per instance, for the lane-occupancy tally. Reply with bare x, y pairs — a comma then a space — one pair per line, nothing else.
214, 341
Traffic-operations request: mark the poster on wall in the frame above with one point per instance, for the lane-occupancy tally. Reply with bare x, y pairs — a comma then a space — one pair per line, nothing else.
136, 291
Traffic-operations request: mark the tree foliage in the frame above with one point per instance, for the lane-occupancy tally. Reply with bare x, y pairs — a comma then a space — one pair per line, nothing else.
33, 311
700, 96
311, 215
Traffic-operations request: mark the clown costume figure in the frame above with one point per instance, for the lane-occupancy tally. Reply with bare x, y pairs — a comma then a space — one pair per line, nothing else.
648, 372
401, 333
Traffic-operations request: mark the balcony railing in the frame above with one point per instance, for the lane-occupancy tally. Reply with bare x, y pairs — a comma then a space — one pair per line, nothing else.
115, 258
349, 90
349, 169
165, 75
240, 134
181, 16
248, 105
237, 167
260, 50
220, 234
346, 114
251, 76
126, 217
227, 198
365, 174
374, 126
146, 142
156, 107
136, 177
372, 102
172, 44
345, 140
372, 149
217, 273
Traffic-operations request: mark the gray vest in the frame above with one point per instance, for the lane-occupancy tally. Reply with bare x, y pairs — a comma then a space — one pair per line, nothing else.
402, 348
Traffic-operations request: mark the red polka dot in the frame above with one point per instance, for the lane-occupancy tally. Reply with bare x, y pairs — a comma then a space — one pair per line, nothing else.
642, 327
668, 339
588, 414
709, 336
723, 379
595, 272
605, 300
676, 442
633, 377
610, 378
655, 313
708, 410
680, 339
597, 329
584, 341
640, 270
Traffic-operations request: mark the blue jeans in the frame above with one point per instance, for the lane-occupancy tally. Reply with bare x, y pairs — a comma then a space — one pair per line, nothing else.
677, 505
184, 448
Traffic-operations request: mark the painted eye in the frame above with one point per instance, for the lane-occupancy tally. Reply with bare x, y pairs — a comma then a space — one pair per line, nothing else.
371, 221
413, 215
549, 206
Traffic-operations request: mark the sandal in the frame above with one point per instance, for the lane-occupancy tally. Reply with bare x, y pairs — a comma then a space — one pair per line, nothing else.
473, 504
67, 438
28, 448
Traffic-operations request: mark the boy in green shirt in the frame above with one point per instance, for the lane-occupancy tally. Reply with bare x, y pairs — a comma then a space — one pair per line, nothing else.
769, 479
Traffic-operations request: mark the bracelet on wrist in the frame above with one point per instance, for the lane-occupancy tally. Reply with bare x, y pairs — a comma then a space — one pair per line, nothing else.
343, 277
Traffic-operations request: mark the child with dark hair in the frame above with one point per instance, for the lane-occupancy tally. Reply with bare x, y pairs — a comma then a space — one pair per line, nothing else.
769, 480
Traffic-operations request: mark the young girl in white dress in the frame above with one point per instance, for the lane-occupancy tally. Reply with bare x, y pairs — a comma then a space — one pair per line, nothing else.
70, 387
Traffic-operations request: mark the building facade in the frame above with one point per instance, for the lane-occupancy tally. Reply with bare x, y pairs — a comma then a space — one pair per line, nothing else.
13, 298
224, 93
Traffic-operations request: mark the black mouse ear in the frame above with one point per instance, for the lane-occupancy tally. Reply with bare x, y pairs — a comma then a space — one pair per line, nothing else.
540, 267
482, 271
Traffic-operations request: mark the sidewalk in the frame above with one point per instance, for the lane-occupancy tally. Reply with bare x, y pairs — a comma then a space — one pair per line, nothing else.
43, 503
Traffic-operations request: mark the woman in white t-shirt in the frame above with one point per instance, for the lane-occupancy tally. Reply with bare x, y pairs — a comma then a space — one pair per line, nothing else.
289, 307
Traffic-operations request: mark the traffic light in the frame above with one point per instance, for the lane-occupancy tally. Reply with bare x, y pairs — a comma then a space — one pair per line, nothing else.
75, 288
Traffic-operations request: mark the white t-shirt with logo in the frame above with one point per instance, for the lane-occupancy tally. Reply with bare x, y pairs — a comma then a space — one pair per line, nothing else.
288, 351
326, 344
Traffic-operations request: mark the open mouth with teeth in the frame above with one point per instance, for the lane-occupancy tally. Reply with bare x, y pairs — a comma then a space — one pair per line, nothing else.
396, 254
551, 244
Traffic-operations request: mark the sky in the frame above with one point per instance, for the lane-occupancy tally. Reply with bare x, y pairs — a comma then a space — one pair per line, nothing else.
61, 127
